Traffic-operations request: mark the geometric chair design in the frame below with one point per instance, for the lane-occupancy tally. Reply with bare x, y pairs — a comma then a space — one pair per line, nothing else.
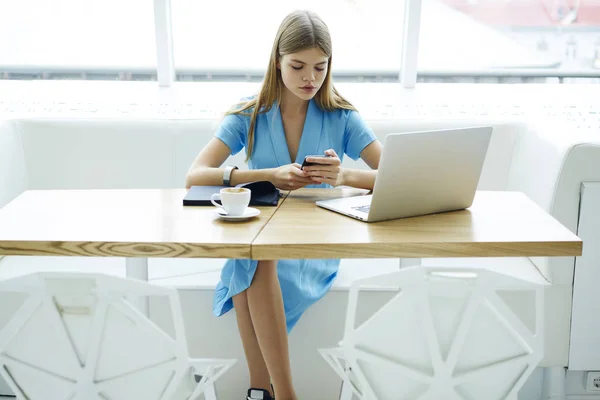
77, 337
448, 333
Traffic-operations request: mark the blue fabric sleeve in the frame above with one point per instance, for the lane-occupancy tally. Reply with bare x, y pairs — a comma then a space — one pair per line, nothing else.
357, 135
233, 132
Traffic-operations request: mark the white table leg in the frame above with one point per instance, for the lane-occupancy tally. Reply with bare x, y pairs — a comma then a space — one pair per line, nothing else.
137, 268
554, 383
409, 262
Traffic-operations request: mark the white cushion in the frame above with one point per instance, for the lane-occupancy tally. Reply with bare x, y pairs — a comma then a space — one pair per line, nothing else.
190, 137
13, 266
186, 273
204, 274
549, 164
83, 154
182, 273
162, 271
519, 267
13, 175
113, 154
146, 153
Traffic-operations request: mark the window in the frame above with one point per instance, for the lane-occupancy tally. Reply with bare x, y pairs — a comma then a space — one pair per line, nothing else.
495, 37
71, 38
234, 38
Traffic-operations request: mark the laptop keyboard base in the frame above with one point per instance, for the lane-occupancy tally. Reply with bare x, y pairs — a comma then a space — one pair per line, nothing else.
364, 208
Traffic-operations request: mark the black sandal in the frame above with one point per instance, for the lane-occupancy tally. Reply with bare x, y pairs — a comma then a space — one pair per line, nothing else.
259, 394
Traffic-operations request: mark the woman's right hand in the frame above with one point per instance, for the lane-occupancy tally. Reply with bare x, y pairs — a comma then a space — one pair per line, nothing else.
290, 177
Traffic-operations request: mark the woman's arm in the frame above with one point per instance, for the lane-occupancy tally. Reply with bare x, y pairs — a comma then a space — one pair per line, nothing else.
364, 179
205, 169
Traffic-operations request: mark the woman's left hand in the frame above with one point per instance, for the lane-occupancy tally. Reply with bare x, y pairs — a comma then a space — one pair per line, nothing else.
326, 169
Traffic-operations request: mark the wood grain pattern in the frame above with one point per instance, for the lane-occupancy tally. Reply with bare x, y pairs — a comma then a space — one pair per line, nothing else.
121, 223
499, 224
154, 223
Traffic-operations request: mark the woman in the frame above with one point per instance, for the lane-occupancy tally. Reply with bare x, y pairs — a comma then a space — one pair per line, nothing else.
297, 113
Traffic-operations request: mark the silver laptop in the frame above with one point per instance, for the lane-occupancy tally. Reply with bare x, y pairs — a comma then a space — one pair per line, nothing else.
421, 173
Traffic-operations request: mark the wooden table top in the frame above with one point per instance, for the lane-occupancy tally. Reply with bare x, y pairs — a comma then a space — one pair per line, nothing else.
498, 224
154, 223
121, 223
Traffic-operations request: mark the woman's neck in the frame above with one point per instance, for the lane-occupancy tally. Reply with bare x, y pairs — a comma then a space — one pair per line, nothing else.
292, 105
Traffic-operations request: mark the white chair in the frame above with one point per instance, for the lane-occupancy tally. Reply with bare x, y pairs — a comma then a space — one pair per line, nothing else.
447, 333
76, 336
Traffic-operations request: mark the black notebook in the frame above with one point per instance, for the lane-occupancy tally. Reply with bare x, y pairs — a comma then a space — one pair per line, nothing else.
262, 193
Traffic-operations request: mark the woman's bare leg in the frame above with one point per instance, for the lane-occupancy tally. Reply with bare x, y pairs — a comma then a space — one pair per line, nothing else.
265, 303
259, 374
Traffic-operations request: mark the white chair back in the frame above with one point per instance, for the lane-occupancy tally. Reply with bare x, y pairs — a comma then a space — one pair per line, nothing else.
76, 336
446, 334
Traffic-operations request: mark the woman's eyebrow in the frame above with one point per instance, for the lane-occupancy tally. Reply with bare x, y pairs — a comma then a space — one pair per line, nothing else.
302, 62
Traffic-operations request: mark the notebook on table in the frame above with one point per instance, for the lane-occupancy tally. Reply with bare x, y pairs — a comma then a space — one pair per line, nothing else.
262, 193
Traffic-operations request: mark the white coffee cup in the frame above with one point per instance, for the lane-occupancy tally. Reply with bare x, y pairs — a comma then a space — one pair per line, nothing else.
233, 200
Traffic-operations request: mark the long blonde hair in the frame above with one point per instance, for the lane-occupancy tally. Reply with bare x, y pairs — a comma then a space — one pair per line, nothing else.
300, 30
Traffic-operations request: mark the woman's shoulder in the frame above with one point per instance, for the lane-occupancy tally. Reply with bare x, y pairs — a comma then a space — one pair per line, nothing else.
239, 112
342, 114
244, 105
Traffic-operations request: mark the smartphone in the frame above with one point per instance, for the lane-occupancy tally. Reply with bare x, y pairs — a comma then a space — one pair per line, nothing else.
306, 163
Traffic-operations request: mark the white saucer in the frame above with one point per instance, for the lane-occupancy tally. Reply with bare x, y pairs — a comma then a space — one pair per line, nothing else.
250, 213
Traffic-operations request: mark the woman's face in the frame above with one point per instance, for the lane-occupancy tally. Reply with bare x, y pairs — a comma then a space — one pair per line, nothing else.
303, 72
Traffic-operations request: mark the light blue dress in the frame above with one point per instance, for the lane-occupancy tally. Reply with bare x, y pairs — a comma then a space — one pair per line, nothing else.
303, 282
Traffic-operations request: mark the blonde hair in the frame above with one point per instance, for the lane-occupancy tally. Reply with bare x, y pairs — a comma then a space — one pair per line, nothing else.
300, 30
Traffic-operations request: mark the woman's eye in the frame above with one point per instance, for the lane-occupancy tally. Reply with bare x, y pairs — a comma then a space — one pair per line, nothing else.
320, 69
296, 68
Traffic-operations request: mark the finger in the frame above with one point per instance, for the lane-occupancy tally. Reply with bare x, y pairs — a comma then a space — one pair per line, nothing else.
323, 160
331, 153
297, 165
323, 169
333, 177
296, 172
332, 174
328, 173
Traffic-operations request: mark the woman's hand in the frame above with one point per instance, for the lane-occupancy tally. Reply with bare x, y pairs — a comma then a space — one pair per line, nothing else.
326, 170
290, 177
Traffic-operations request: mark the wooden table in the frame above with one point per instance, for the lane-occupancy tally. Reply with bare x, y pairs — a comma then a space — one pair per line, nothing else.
154, 223
498, 224
137, 224
121, 223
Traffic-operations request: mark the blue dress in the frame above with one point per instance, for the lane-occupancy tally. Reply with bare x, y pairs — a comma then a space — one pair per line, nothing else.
303, 282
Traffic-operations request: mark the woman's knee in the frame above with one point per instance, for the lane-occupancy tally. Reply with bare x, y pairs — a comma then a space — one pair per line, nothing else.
267, 264
266, 269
